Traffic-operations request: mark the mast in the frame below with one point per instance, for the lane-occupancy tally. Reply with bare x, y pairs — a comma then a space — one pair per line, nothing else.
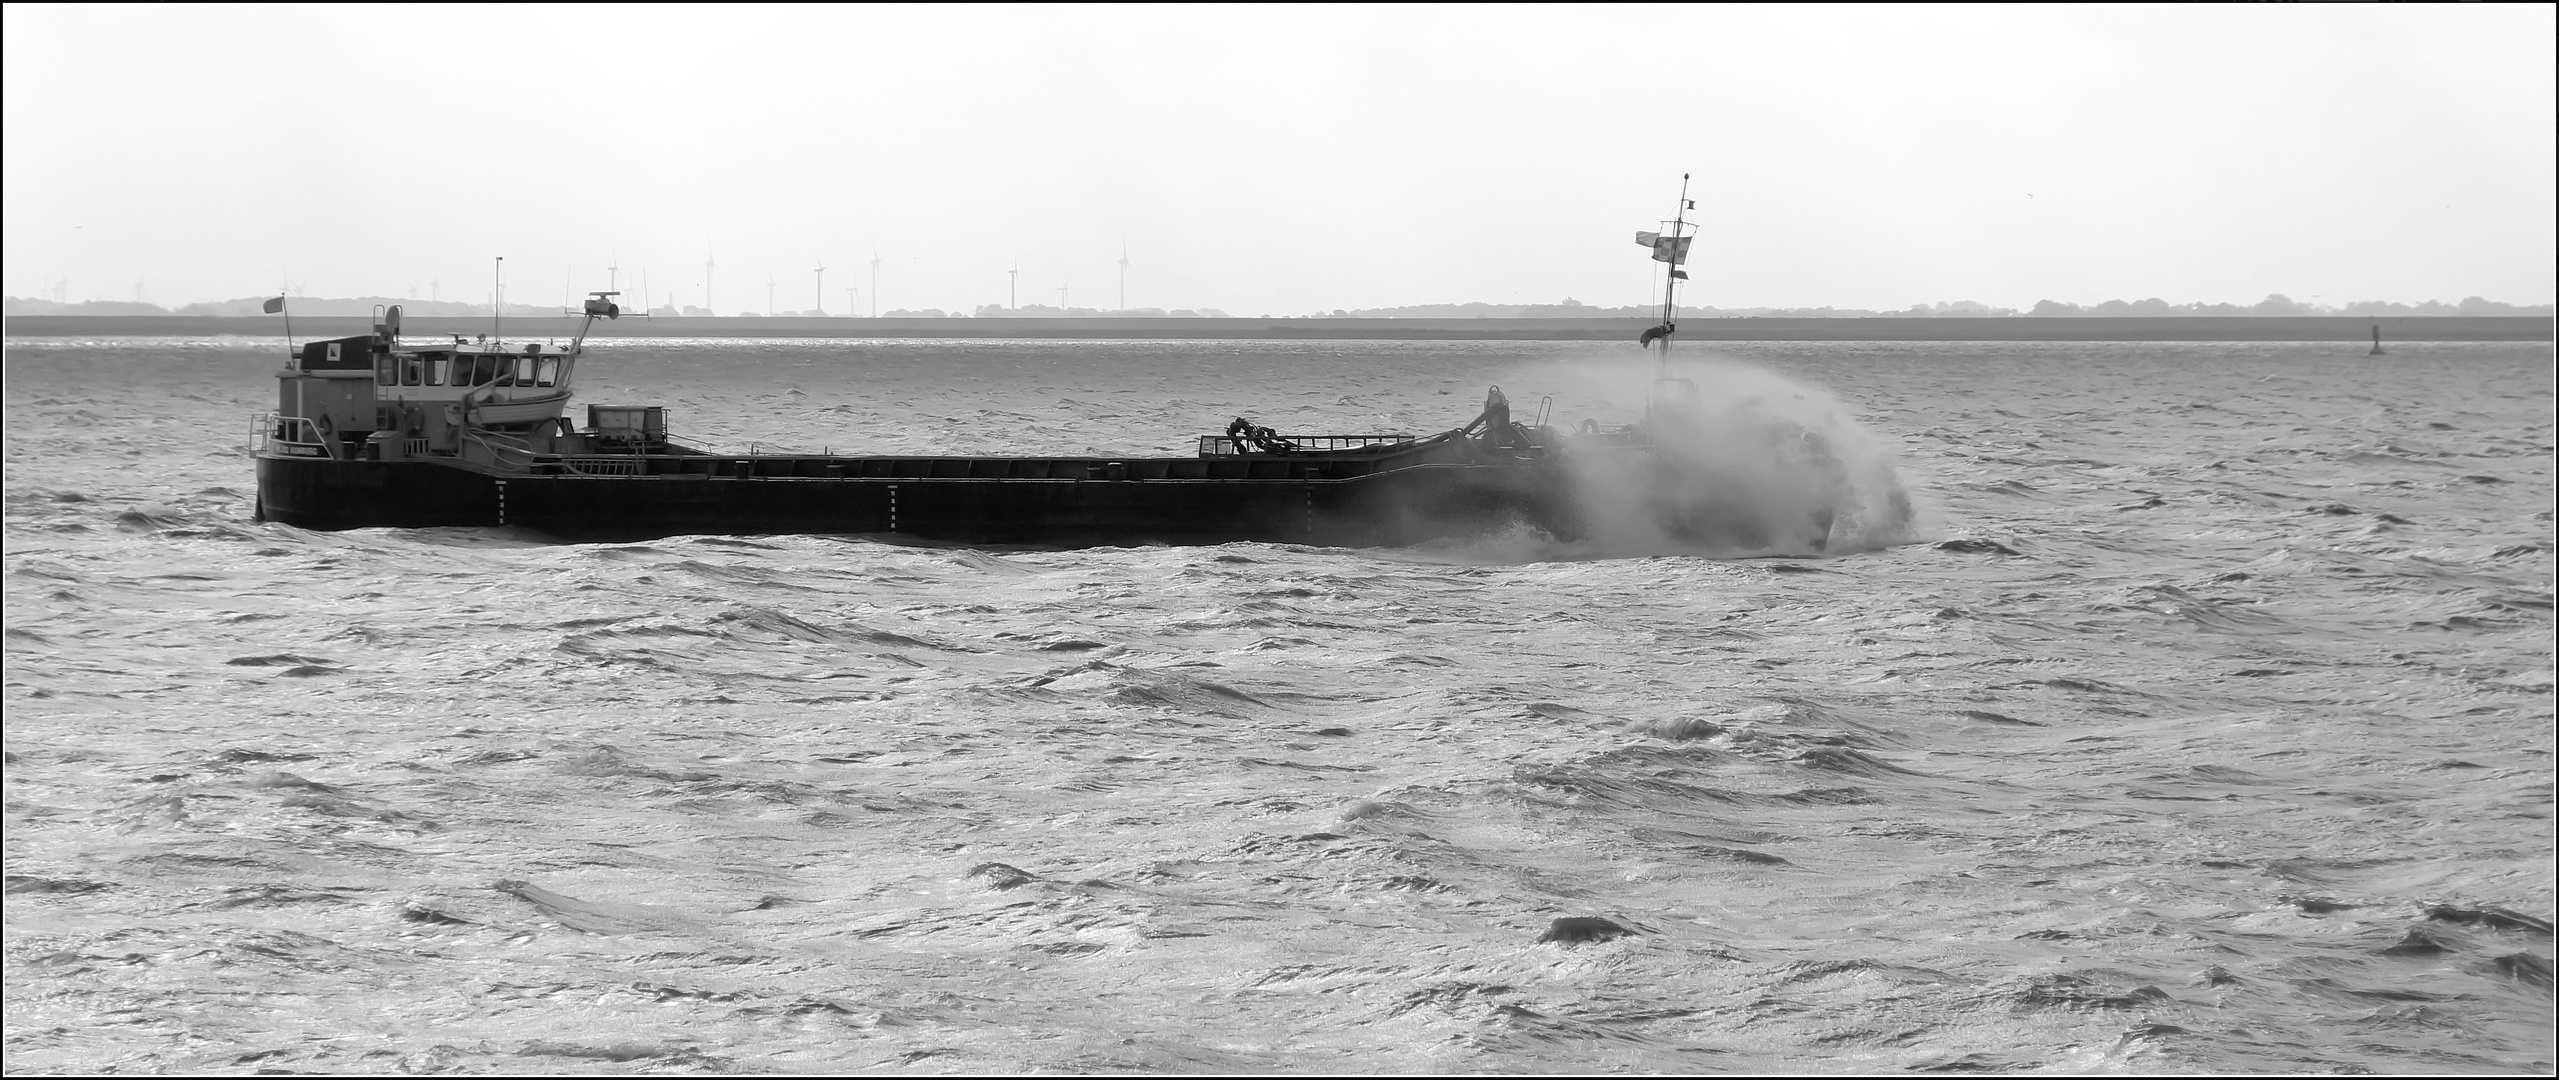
1671, 248
1670, 281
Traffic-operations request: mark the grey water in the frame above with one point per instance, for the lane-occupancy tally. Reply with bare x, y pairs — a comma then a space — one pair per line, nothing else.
2201, 721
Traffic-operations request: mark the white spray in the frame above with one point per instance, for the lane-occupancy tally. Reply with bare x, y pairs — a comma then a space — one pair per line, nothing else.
1754, 464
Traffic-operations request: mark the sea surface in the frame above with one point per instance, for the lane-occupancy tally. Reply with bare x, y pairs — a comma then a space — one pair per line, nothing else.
2201, 721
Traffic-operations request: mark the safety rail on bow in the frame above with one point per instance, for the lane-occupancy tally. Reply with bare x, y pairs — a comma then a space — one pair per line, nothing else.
274, 432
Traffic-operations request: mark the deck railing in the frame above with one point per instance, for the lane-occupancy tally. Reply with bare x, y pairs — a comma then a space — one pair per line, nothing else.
283, 434
584, 465
1226, 446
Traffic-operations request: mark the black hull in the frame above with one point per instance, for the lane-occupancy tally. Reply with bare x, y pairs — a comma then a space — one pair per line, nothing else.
1394, 507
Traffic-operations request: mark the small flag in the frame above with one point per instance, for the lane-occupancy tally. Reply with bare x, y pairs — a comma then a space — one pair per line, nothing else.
1665, 249
275, 305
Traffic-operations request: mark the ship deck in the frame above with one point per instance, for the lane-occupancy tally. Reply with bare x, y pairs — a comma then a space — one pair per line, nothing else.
769, 466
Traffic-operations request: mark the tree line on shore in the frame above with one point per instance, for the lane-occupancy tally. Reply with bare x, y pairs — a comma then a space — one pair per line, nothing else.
2272, 306
2154, 308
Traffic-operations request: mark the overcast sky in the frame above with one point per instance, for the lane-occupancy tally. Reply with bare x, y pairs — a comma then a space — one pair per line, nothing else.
1283, 160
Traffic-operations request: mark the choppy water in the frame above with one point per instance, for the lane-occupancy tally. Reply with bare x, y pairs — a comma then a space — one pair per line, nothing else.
2205, 726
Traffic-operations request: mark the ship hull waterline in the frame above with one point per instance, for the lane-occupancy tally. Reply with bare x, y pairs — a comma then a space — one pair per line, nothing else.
1393, 508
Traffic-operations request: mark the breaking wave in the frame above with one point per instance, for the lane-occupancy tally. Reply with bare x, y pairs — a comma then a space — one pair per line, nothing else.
1739, 461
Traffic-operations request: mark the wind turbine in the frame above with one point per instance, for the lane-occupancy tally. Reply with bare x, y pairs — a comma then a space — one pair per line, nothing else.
1061, 298
1013, 287
1123, 275
435, 290
821, 287
769, 283
708, 265
875, 281
613, 275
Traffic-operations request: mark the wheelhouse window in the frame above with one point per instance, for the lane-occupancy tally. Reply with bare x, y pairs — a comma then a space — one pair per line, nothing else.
386, 370
412, 370
549, 372
436, 366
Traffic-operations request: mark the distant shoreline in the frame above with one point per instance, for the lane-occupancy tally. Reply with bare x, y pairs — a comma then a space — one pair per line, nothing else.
2006, 328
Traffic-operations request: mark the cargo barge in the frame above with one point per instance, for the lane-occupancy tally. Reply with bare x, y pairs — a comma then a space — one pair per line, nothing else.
377, 431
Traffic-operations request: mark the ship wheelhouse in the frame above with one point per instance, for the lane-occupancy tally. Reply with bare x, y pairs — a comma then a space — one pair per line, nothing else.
500, 387
444, 375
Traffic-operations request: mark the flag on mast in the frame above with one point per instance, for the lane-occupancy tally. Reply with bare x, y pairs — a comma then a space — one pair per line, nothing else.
1672, 250
275, 305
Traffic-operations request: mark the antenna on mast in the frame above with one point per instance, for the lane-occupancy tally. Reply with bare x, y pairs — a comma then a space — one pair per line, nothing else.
497, 298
